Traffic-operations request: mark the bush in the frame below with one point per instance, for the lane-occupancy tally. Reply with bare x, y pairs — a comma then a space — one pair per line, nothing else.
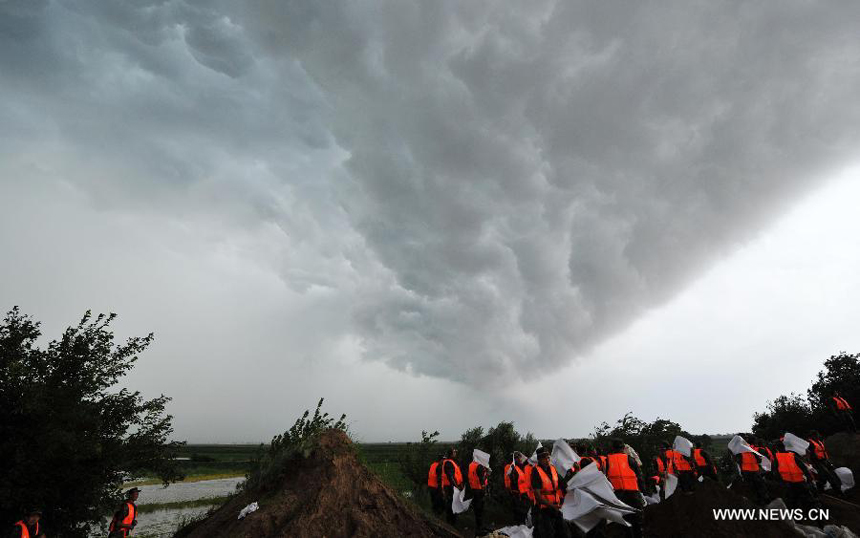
67, 440
269, 466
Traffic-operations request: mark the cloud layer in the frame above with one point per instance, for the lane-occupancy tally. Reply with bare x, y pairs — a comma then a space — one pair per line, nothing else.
488, 189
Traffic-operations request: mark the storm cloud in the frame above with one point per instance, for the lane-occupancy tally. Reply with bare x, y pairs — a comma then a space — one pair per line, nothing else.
485, 189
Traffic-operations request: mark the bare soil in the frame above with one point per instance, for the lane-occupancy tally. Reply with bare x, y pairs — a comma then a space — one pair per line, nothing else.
330, 494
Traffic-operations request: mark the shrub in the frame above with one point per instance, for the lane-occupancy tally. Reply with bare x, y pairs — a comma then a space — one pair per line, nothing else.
298, 442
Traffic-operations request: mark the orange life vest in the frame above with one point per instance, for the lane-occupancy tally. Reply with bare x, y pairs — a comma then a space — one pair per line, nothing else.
788, 468
820, 450
433, 476
129, 518
661, 468
583, 460
458, 476
700, 460
749, 462
506, 476
549, 491
677, 461
619, 473
525, 482
475, 481
25, 532
841, 403
603, 462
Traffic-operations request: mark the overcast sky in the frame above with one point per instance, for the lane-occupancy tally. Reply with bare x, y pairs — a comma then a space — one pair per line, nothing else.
439, 214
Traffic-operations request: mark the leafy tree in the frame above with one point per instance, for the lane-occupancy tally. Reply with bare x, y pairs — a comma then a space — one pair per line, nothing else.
68, 439
644, 437
786, 413
416, 460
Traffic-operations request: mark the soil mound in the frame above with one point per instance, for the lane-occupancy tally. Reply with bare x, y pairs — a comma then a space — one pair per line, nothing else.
693, 515
330, 494
844, 450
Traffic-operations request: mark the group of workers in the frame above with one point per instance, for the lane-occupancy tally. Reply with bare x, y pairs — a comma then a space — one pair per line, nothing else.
804, 475
121, 524
539, 489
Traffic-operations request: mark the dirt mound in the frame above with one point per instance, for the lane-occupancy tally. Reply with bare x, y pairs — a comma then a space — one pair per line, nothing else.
330, 494
844, 450
692, 515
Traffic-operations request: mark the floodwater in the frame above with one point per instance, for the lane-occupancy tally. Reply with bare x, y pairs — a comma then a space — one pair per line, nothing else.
163, 523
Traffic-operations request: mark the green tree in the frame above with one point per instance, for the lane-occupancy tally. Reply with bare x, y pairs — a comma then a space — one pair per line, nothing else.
68, 437
784, 414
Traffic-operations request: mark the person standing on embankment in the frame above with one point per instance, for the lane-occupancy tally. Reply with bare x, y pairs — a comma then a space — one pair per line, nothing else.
125, 519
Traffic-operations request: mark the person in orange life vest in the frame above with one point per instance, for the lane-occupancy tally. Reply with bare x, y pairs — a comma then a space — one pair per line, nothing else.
752, 472
435, 486
29, 526
450, 476
797, 478
518, 487
679, 465
125, 519
820, 459
478, 480
588, 457
548, 490
704, 464
624, 474
844, 411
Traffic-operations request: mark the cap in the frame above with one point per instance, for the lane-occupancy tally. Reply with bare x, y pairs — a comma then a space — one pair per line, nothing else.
132, 490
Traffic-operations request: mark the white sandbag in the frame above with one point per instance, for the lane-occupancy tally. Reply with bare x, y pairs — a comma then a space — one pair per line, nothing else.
518, 531
253, 507
671, 485
738, 445
765, 464
846, 477
458, 503
533, 459
481, 457
586, 510
683, 445
595, 482
795, 444
563, 457
630, 451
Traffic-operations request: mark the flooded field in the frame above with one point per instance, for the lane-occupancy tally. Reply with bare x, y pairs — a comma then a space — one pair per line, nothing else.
163, 523
187, 491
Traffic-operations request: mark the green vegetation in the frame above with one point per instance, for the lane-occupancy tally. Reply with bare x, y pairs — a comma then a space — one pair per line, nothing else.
68, 437
297, 442
798, 414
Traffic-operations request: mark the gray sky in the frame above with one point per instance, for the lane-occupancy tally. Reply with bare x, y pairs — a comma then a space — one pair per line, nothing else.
438, 214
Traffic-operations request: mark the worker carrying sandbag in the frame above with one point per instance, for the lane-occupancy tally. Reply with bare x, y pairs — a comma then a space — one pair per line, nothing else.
125, 519
704, 463
548, 489
625, 475
519, 487
797, 478
820, 459
450, 477
844, 412
479, 477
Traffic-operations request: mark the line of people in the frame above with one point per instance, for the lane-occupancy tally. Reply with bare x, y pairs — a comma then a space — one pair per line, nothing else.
121, 525
539, 490
804, 475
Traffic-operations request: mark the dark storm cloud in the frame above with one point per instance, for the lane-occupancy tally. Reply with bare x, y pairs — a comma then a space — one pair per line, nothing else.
518, 181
